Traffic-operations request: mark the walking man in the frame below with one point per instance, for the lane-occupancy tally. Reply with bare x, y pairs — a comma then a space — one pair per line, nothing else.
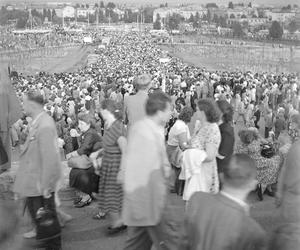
39, 170
146, 168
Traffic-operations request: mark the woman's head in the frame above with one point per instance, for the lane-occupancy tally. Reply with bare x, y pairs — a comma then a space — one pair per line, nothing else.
295, 122
247, 136
207, 110
227, 111
186, 114
111, 110
84, 121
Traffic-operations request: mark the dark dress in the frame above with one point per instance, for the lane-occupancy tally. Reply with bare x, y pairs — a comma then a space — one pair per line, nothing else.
86, 180
110, 192
227, 145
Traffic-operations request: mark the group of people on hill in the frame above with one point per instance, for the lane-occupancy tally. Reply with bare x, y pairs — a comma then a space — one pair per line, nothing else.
133, 128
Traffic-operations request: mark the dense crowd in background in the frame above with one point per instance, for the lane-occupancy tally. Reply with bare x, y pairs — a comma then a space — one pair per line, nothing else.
97, 95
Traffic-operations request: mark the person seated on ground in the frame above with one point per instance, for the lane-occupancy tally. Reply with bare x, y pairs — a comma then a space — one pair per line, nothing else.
82, 175
267, 168
208, 216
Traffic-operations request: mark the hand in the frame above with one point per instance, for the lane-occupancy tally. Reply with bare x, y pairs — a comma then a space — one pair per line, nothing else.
69, 156
120, 177
46, 194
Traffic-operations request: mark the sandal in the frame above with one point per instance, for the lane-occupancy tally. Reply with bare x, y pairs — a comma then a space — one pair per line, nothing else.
99, 216
116, 230
83, 203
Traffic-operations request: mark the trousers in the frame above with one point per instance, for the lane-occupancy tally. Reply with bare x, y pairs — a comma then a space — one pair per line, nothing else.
33, 205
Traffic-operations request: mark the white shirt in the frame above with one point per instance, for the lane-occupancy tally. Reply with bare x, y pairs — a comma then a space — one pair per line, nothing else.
178, 128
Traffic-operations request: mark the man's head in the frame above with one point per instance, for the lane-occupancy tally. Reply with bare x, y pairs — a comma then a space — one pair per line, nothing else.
143, 82
240, 173
33, 101
158, 105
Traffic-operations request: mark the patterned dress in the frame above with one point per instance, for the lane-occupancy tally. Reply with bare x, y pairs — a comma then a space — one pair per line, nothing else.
209, 134
267, 168
110, 192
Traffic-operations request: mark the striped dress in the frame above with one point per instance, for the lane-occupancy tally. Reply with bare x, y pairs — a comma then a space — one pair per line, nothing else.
110, 192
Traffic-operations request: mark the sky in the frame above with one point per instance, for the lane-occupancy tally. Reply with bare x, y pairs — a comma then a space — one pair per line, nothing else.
170, 2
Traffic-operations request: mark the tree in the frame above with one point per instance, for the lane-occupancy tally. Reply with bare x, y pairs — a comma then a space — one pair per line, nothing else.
293, 26
211, 5
209, 17
77, 6
53, 13
96, 5
243, 16
222, 22
174, 21
21, 23
157, 23
87, 6
110, 5
254, 16
250, 5
232, 16
230, 5
191, 19
215, 19
237, 30
102, 5
275, 31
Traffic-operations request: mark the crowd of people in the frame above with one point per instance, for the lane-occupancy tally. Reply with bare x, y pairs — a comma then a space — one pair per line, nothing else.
133, 128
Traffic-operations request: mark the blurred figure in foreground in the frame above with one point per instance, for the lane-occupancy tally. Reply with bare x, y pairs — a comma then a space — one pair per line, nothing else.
39, 172
221, 221
287, 235
8, 227
10, 112
146, 168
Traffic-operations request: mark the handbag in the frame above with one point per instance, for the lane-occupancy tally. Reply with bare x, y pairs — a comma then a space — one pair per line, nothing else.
47, 222
80, 162
3, 154
267, 150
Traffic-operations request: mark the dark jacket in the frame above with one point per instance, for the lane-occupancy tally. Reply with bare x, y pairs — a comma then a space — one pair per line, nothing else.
91, 142
227, 144
215, 222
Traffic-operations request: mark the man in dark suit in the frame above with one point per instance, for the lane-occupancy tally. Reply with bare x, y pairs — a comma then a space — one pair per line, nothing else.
40, 168
221, 221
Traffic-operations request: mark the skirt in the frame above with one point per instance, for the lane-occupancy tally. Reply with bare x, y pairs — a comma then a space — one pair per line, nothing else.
84, 180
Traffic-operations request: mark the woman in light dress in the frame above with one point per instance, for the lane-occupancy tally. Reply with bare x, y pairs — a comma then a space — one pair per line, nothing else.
199, 161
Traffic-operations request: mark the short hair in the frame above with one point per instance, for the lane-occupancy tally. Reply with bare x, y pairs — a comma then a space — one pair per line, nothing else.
85, 117
239, 171
116, 108
35, 96
142, 82
211, 110
226, 109
157, 101
247, 136
296, 119
186, 114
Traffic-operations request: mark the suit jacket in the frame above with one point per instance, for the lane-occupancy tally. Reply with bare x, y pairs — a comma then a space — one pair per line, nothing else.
215, 222
227, 144
146, 166
40, 166
135, 107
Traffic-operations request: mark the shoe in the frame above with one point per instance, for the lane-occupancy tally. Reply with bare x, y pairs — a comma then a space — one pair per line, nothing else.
99, 216
77, 200
83, 203
116, 230
259, 192
30, 235
270, 193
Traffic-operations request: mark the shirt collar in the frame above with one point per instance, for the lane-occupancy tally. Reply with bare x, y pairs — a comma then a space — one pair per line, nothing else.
242, 203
